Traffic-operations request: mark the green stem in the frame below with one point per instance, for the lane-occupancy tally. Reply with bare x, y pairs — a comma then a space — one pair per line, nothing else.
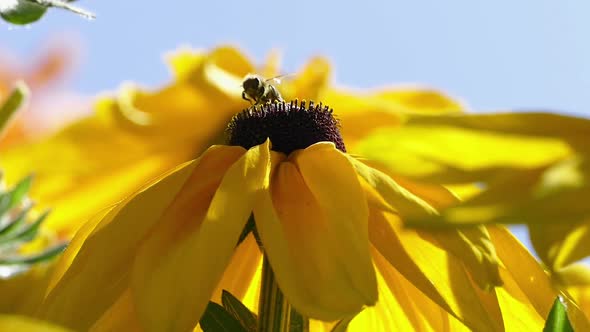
274, 313
12, 104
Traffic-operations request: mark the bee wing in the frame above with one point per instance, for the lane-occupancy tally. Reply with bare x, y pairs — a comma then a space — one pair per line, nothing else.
279, 79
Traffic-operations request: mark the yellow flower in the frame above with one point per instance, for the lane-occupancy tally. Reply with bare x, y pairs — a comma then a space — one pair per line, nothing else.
77, 173
325, 220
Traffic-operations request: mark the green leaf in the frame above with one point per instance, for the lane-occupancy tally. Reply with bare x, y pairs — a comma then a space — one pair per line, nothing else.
12, 198
246, 317
15, 224
12, 103
34, 259
26, 233
557, 321
217, 319
23, 12
29, 11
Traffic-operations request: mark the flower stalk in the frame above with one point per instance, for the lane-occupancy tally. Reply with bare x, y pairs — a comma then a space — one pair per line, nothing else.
275, 313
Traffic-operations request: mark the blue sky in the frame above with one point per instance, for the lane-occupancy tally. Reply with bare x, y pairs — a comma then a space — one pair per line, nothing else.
522, 54
526, 54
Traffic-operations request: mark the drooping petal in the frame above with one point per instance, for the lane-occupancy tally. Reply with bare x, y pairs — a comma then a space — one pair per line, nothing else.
561, 244
239, 274
345, 209
461, 148
471, 246
530, 278
397, 197
313, 228
517, 312
177, 268
435, 271
526, 196
402, 306
98, 265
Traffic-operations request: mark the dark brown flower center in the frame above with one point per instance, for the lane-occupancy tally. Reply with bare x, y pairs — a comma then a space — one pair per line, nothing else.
289, 125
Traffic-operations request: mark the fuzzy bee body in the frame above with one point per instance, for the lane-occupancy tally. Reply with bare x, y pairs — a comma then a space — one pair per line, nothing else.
257, 90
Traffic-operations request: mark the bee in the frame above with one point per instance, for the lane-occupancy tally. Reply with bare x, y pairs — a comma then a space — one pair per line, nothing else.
258, 90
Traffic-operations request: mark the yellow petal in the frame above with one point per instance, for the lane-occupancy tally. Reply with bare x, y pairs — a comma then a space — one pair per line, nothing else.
100, 265
177, 268
525, 196
311, 80
345, 208
402, 306
223, 68
472, 246
153, 132
422, 100
448, 152
518, 314
433, 270
561, 244
397, 197
573, 130
530, 278
577, 274
239, 274
475, 249
15, 323
360, 115
581, 295
314, 232
121, 316
99, 268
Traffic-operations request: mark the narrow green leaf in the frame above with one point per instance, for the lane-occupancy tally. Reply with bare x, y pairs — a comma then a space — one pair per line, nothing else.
26, 233
246, 317
217, 319
14, 225
12, 104
12, 198
33, 259
557, 321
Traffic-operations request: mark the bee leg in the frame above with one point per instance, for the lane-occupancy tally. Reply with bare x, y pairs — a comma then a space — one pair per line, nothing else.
245, 97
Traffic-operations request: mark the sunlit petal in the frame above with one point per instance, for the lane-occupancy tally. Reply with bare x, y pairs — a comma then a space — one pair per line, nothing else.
177, 268
319, 253
433, 270
442, 149
398, 198
560, 244
89, 281
530, 277
239, 274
